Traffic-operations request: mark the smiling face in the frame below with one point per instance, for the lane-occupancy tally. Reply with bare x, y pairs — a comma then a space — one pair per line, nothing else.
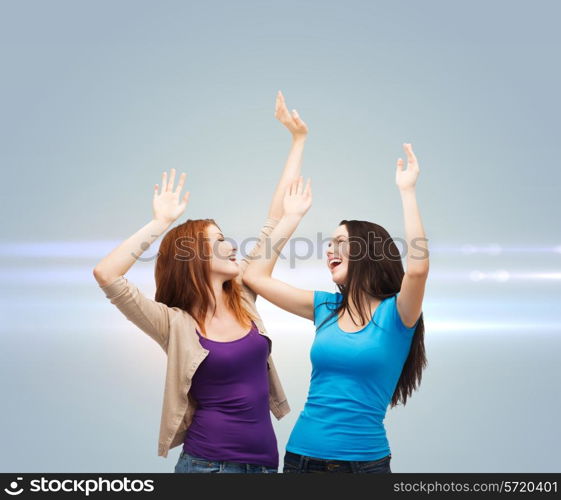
338, 254
223, 261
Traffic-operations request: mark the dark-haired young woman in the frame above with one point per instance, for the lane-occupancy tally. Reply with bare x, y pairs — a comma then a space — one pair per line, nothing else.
368, 350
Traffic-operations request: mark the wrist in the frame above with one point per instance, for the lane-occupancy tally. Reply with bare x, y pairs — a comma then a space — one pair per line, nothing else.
409, 191
294, 218
161, 224
299, 138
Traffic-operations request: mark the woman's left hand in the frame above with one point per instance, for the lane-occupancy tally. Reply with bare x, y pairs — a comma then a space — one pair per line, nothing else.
298, 198
406, 179
291, 121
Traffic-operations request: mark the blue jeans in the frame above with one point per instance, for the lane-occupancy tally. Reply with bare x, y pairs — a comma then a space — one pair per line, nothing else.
190, 464
301, 463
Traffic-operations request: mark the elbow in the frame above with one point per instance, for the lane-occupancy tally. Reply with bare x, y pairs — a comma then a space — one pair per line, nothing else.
248, 277
418, 270
101, 276
252, 279
97, 273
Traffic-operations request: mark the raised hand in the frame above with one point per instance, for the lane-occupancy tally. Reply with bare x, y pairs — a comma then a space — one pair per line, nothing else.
166, 204
291, 121
406, 179
298, 198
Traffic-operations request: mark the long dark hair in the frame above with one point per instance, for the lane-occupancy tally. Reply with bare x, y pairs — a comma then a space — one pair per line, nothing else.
375, 270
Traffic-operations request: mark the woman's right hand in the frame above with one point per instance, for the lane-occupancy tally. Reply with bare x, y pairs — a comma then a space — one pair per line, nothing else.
297, 198
291, 121
166, 204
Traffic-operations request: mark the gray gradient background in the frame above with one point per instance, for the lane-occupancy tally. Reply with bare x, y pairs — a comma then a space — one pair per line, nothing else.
97, 98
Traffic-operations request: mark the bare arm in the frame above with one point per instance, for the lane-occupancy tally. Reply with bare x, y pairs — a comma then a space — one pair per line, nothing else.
166, 209
410, 298
291, 171
150, 316
121, 258
292, 167
297, 201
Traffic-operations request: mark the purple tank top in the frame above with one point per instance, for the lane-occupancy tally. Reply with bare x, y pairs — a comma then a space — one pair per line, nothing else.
232, 420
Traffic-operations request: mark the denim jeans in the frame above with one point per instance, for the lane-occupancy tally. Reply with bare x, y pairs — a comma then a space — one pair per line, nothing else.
190, 464
301, 464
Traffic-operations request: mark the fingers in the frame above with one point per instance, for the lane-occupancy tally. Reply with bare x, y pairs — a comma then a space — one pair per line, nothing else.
167, 185
296, 118
180, 183
400, 164
293, 187
286, 117
300, 186
281, 111
308, 190
297, 187
155, 190
171, 179
411, 158
277, 103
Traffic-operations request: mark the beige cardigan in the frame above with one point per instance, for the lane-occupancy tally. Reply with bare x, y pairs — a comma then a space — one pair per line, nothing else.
174, 330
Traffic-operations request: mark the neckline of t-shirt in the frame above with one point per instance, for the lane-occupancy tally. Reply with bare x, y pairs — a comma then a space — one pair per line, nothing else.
367, 324
253, 326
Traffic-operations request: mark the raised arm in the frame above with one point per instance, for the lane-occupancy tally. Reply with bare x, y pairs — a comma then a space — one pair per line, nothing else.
166, 208
150, 316
299, 132
410, 298
296, 202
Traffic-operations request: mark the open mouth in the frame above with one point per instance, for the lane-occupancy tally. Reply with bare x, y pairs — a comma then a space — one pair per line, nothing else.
333, 263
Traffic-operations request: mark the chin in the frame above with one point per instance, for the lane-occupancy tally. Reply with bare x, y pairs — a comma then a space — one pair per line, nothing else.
228, 273
233, 273
338, 280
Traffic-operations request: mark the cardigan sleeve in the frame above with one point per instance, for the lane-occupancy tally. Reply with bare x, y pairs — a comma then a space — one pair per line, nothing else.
265, 231
152, 317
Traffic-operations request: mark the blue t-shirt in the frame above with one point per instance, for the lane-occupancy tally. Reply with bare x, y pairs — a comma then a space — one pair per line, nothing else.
354, 376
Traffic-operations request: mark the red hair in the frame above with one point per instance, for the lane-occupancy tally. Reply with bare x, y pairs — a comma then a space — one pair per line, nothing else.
183, 274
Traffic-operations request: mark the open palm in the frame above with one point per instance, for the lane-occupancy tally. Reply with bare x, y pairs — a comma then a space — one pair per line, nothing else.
166, 204
297, 198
